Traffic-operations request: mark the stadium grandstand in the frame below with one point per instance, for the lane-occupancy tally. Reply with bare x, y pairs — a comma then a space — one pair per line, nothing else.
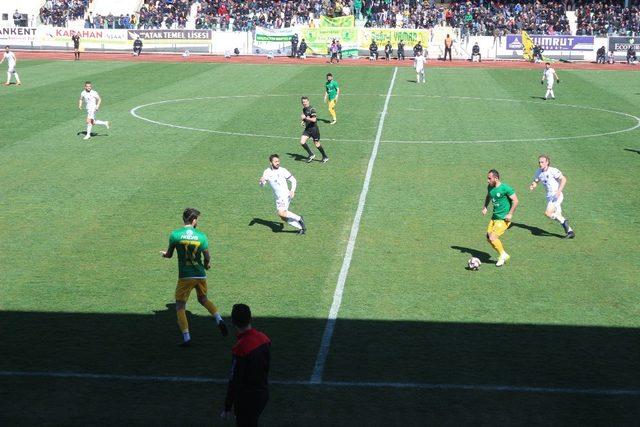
466, 18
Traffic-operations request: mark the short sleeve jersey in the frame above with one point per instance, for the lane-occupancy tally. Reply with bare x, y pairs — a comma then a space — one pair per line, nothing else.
189, 243
548, 74
500, 198
419, 61
90, 99
277, 179
550, 179
11, 59
309, 112
332, 89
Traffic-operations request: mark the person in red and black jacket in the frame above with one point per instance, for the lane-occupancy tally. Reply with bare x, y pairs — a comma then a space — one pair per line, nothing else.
248, 390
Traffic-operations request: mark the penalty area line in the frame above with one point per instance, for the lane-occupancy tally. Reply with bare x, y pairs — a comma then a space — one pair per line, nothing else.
323, 352
345, 384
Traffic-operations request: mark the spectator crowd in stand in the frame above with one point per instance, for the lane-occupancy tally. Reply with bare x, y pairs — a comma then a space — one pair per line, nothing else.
111, 21
608, 18
471, 17
59, 12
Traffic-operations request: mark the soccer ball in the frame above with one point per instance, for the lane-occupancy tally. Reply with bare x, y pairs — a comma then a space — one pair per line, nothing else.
474, 264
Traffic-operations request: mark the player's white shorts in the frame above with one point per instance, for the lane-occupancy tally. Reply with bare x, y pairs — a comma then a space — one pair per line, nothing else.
419, 70
282, 203
12, 70
555, 203
91, 114
550, 84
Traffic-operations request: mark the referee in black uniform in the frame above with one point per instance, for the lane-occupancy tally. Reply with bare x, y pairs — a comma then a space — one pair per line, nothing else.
75, 38
311, 130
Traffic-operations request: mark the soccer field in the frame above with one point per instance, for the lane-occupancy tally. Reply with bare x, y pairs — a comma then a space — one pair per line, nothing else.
87, 316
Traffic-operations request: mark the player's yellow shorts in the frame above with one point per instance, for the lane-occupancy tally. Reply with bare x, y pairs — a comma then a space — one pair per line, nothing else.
185, 286
498, 226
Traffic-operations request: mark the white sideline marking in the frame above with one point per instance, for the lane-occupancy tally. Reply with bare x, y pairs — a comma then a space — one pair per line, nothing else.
361, 384
134, 112
318, 369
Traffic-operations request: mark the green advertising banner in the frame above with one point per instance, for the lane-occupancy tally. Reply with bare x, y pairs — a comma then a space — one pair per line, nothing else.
319, 39
382, 35
341, 21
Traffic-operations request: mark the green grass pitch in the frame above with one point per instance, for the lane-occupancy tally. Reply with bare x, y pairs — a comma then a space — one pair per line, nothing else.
83, 289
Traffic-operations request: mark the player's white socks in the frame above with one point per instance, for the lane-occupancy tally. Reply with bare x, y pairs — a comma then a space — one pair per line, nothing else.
549, 92
101, 122
8, 77
89, 127
17, 78
186, 337
294, 223
218, 318
294, 220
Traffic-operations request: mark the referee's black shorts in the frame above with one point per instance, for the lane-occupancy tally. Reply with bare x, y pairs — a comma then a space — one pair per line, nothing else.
313, 133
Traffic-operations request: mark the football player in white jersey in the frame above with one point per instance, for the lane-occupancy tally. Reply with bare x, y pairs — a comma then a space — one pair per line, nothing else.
550, 75
554, 182
418, 62
11, 62
277, 178
92, 102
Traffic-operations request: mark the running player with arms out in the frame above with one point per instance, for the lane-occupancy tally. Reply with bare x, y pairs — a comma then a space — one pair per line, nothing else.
192, 246
504, 201
331, 93
11, 62
311, 130
554, 182
92, 102
277, 178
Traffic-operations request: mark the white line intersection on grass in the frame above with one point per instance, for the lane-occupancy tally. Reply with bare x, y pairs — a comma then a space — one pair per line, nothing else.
316, 376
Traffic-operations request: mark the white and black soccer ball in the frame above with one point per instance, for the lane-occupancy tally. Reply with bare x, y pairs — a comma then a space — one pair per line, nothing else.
474, 264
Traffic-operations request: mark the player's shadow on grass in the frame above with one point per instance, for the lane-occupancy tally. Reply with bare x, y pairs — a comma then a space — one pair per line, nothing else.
276, 227
632, 150
93, 134
536, 231
537, 97
484, 257
298, 157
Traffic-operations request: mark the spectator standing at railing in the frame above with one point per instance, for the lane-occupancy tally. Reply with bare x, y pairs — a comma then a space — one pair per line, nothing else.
418, 49
294, 45
600, 55
448, 42
75, 38
400, 50
388, 50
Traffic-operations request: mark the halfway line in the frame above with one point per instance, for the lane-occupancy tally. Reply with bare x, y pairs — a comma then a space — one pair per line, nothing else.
318, 369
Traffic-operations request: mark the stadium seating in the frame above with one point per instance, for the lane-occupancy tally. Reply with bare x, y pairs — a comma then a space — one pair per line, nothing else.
60, 12
114, 7
29, 7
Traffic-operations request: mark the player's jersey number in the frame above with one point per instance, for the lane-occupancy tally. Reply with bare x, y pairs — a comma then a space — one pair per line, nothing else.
190, 251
